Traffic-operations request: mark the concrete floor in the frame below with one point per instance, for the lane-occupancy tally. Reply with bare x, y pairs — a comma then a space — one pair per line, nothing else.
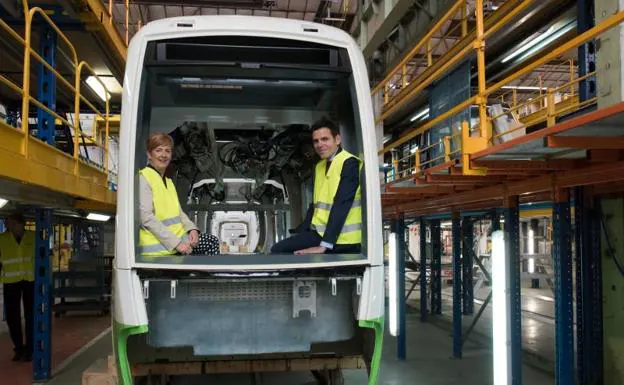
428, 363
538, 322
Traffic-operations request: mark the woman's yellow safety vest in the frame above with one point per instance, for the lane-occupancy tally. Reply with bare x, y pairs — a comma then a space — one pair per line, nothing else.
17, 259
166, 210
325, 188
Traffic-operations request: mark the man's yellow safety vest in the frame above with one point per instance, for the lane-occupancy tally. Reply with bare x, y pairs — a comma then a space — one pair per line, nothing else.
18, 260
325, 188
166, 210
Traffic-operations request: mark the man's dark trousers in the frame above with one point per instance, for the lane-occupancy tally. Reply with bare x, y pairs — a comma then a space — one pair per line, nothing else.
311, 238
14, 293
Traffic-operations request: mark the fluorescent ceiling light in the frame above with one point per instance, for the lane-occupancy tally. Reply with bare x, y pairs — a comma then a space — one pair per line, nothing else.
501, 333
528, 88
112, 85
98, 217
98, 88
392, 284
3, 202
551, 39
421, 114
529, 44
413, 150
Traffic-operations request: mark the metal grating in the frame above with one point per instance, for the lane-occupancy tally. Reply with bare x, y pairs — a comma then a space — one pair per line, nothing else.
305, 291
240, 291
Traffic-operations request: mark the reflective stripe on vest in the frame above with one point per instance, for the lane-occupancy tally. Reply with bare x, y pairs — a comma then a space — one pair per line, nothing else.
18, 259
166, 210
325, 187
328, 206
345, 228
157, 249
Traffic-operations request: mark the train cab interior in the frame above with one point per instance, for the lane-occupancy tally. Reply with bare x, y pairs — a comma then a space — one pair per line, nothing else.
243, 159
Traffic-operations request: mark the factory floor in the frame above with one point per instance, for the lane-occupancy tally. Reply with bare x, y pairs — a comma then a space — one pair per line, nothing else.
71, 337
428, 362
538, 321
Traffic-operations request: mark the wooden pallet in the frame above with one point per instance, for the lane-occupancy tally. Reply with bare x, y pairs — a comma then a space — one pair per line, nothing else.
104, 372
101, 372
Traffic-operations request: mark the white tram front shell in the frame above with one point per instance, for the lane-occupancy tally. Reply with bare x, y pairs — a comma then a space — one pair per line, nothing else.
238, 94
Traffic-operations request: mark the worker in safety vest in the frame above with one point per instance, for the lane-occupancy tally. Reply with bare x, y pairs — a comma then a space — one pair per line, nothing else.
165, 228
334, 220
17, 257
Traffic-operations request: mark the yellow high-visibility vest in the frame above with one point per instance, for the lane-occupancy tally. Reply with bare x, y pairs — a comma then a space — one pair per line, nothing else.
18, 260
325, 188
166, 210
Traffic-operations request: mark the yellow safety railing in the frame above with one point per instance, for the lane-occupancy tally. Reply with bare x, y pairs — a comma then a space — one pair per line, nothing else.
548, 105
471, 139
513, 98
422, 56
79, 99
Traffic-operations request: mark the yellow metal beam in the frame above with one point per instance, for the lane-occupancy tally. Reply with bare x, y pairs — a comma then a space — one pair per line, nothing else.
99, 18
50, 168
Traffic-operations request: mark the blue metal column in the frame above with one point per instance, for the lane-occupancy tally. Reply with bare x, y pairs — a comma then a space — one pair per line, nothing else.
399, 229
495, 220
562, 260
42, 328
589, 337
595, 299
436, 268
512, 229
467, 265
457, 286
46, 82
423, 270
587, 51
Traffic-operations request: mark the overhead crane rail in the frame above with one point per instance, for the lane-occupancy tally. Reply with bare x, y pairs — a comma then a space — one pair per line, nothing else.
32, 160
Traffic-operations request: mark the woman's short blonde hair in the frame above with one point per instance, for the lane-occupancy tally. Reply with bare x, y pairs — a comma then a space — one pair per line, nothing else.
159, 139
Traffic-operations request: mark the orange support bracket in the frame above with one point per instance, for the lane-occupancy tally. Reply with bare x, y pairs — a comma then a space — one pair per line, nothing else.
470, 145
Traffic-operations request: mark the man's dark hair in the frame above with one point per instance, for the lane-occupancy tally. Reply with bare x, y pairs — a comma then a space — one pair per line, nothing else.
325, 122
17, 217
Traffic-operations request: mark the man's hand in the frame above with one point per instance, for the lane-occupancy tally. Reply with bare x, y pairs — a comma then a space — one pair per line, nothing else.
184, 248
193, 237
312, 250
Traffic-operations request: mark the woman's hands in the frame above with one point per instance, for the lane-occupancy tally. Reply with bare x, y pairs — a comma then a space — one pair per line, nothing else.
193, 237
184, 248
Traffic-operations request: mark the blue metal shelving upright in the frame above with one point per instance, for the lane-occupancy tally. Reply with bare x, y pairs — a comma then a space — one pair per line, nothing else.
587, 51
512, 229
42, 328
588, 290
467, 232
564, 312
457, 286
423, 270
436, 268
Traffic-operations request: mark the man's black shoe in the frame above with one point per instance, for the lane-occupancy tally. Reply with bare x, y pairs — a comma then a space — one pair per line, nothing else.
18, 356
27, 357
